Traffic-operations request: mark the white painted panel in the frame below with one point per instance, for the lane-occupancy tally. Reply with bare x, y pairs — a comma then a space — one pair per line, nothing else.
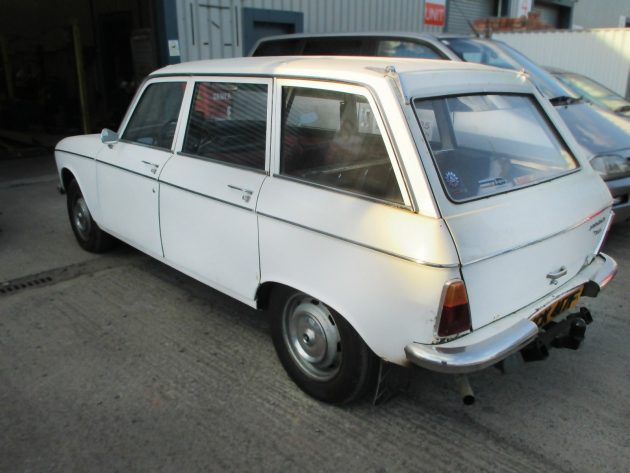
76, 154
603, 55
128, 193
508, 281
598, 14
335, 249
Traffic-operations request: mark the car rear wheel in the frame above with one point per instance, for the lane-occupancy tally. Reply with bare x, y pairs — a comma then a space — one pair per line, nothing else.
85, 229
319, 349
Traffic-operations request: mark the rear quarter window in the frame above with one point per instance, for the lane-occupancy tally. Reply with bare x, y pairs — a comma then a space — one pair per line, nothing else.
333, 47
283, 47
402, 48
332, 139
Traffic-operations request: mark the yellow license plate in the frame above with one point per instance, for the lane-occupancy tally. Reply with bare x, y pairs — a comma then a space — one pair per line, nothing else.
566, 302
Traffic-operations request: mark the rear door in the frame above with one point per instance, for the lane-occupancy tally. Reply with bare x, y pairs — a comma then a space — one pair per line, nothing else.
209, 190
524, 215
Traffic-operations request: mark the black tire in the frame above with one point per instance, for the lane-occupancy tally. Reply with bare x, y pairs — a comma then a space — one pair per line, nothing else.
303, 331
88, 234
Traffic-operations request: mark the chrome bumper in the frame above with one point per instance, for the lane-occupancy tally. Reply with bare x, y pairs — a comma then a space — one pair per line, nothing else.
455, 357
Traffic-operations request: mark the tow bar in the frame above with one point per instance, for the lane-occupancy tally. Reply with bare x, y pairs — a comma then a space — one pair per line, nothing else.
569, 333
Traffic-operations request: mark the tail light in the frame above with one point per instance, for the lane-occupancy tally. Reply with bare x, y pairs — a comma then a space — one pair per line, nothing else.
455, 315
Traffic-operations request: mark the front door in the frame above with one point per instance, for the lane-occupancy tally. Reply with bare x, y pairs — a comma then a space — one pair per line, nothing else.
127, 171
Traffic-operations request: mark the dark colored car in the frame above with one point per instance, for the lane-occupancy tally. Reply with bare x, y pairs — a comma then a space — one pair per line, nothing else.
353, 44
604, 136
592, 91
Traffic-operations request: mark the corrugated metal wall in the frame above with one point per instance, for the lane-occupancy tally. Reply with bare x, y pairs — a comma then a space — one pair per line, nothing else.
213, 29
603, 54
460, 12
598, 14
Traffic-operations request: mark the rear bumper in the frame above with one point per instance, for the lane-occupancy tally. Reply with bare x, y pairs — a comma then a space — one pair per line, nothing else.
495, 342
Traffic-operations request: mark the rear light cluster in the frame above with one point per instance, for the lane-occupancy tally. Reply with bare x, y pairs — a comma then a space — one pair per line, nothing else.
455, 314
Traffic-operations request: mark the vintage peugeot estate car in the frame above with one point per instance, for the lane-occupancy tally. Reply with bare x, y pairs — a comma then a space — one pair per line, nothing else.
431, 213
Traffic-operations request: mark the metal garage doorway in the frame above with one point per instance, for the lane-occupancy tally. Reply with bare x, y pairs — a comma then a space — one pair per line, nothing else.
259, 23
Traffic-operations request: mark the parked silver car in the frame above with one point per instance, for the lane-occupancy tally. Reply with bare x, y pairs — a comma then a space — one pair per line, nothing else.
592, 91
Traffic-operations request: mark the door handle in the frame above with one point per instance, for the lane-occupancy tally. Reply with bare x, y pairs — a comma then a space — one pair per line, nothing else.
247, 194
154, 166
557, 274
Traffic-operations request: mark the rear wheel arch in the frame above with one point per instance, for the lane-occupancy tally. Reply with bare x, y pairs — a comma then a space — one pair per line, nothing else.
266, 289
307, 332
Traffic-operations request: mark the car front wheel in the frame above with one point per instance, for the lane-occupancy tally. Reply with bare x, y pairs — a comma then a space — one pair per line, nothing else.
85, 229
319, 349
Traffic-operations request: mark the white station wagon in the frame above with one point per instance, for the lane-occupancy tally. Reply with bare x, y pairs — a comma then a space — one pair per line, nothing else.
382, 210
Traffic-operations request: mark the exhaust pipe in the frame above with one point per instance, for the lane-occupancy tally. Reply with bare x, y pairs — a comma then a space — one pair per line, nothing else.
465, 390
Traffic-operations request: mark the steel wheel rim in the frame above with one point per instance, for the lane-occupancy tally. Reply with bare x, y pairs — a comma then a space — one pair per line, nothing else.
81, 218
311, 336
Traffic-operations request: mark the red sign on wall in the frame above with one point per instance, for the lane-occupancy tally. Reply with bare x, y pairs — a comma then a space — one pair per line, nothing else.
434, 12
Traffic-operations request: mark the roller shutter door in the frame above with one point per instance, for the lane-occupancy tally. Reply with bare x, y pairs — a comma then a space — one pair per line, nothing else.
461, 10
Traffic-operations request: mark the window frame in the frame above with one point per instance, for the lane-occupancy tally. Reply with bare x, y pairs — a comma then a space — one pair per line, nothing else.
188, 104
394, 159
134, 105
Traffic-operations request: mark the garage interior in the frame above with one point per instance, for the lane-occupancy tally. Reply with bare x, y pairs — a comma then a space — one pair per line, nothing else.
47, 89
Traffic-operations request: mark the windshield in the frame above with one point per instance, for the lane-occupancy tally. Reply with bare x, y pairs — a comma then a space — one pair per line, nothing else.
489, 144
593, 91
495, 53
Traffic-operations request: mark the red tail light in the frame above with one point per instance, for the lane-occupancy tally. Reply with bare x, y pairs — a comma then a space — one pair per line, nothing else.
455, 316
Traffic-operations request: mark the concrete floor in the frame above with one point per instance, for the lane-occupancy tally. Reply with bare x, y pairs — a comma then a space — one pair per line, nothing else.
120, 363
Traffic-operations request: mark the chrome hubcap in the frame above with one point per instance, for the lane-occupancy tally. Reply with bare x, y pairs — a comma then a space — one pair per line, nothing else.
81, 218
312, 337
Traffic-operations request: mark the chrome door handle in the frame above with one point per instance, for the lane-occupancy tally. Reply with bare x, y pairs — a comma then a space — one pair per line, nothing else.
557, 275
154, 166
247, 194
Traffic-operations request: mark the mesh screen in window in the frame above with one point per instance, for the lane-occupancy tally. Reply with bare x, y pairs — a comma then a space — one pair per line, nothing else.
155, 117
228, 123
331, 138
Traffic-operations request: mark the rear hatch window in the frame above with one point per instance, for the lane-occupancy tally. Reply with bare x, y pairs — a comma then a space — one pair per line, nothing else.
488, 144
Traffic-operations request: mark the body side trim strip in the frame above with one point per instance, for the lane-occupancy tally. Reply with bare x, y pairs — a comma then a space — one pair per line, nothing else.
207, 196
539, 240
369, 247
98, 161
74, 154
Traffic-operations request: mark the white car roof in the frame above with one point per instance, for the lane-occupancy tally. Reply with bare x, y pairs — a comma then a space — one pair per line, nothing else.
357, 69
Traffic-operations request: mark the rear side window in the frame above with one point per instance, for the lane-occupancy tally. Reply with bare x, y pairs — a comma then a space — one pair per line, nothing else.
228, 123
331, 138
283, 47
401, 48
154, 119
490, 144
333, 47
